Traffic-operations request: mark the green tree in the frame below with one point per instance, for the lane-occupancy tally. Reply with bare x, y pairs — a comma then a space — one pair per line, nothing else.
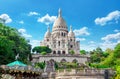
117, 51
117, 72
43, 53
83, 52
40, 49
96, 55
40, 65
109, 61
12, 43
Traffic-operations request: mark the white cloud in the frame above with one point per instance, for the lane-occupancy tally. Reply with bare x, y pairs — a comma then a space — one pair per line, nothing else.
47, 19
113, 16
80, 39
32, 13
35, 43
21, 22
110, 37
88, 47
6, 18
116, 30
23, 32
110, 40
108, 44
91, 42
82, 31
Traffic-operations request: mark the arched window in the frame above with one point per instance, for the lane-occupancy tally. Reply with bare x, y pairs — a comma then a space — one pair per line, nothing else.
47, 39
71, 46
63, 52
58, 43
59, 52
62, 34
54, 52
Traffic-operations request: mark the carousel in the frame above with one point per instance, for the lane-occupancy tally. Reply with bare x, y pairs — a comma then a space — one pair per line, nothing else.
19, 70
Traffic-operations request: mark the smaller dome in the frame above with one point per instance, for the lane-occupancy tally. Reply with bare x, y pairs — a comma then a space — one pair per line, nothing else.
48, 34
71, 33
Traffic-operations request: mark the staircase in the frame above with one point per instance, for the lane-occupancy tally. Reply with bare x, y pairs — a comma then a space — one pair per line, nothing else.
49, 66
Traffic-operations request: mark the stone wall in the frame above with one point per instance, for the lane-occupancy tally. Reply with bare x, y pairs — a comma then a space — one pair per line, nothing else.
59, 58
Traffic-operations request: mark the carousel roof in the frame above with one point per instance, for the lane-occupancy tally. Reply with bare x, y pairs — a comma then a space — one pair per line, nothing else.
18, 63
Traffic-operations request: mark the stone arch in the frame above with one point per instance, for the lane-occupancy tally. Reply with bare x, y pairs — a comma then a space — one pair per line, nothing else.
63, 60
51, 60
54, 52
75, 61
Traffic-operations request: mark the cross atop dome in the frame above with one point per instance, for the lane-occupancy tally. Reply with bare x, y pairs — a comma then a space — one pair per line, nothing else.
70, 27
48, 28
59, 12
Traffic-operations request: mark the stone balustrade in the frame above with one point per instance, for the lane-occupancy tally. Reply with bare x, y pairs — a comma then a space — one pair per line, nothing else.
84, 72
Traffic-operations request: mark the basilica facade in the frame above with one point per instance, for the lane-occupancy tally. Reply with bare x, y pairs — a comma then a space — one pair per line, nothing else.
60, 40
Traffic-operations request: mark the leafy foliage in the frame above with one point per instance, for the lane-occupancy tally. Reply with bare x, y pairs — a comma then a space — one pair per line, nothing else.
12, 43
83, 52
40, 49
71, 52
108, 59
43, 53
66, 65
40, 65
117, 51
96, 55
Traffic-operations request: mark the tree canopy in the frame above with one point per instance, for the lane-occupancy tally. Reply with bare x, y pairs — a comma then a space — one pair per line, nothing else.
110, 58
12, 43
83, 52
41, 49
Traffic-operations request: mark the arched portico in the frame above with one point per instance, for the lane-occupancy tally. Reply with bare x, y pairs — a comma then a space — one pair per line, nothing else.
75, 61
63, 60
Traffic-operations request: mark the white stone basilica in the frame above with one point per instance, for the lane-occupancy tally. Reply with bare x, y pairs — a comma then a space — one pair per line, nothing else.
60, 40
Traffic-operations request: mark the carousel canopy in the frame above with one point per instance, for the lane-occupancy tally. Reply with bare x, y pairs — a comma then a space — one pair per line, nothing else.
18, 63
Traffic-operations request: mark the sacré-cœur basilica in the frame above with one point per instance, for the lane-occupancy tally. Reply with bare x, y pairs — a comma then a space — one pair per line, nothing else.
61, 41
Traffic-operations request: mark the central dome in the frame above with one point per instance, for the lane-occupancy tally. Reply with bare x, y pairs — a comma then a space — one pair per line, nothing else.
59, 23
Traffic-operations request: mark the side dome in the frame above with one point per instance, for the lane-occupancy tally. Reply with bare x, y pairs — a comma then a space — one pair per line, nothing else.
47, 34
71, 33
59, 22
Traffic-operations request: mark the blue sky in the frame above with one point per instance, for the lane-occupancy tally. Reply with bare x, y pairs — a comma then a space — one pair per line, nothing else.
95, 22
